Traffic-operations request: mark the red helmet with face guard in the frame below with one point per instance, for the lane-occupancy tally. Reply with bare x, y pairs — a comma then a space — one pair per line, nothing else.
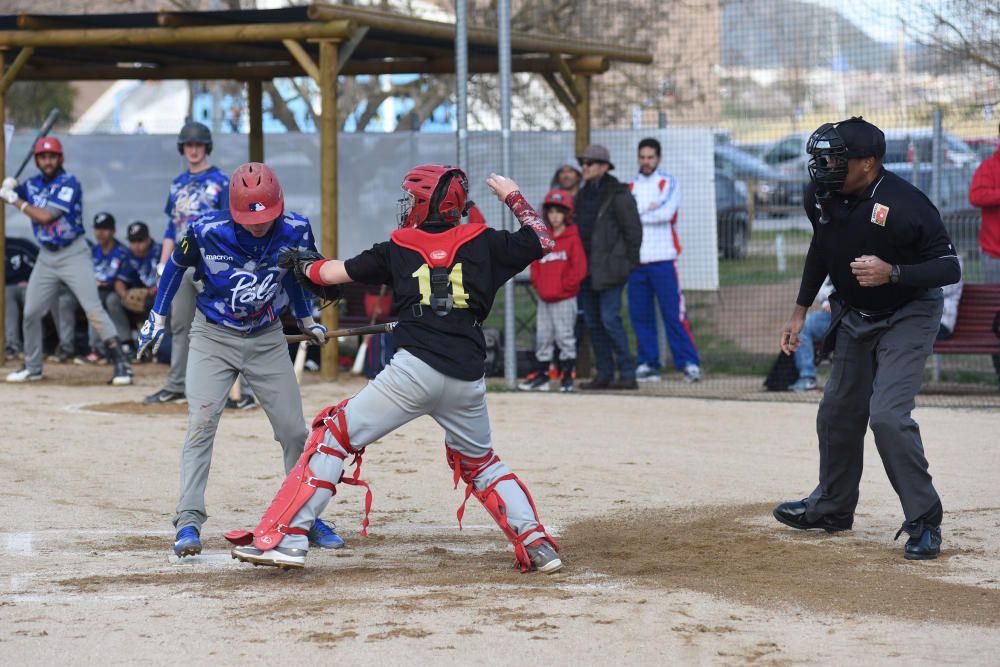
255, 195
433, 191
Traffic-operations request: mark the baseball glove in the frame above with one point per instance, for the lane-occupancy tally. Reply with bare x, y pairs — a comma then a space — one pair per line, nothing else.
297, 261
135, 300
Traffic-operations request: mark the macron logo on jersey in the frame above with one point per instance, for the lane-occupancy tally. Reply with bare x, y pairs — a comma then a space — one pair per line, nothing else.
220, 258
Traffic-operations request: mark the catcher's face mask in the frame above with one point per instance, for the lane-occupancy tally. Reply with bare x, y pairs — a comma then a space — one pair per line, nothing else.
828, 158
405, 205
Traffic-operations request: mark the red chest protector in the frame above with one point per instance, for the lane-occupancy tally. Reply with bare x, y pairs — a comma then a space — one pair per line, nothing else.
439, 251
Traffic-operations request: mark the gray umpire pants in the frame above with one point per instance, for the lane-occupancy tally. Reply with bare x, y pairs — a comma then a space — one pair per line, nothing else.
217, 356
70, 266
406, 389
182, 310
877, 371
555, 325
13, 304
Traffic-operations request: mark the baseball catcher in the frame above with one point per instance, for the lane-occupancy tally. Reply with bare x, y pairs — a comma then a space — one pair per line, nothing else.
444, 277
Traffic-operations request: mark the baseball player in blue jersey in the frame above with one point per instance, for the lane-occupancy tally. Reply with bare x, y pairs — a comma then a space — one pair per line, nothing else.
237, 329
53, 200
135, 284
200, 189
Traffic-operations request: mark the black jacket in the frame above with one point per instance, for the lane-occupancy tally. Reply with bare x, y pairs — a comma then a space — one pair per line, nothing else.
614, 234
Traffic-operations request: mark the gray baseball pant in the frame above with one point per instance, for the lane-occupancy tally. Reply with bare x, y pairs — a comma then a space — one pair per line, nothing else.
877, 371
67, 314
182, 310
13, 304
64, 315
73, 267
217, 356
554, 325
408, 388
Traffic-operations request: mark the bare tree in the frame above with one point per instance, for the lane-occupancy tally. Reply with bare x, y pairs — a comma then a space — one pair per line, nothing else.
958, 30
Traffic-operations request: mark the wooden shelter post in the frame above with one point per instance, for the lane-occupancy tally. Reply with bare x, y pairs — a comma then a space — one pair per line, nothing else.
255, 104
330, 367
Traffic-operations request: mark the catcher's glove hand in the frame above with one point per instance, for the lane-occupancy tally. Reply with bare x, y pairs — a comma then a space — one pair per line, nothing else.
298, 262
136, 300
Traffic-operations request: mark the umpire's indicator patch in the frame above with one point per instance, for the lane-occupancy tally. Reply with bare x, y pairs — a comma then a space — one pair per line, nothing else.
879, 214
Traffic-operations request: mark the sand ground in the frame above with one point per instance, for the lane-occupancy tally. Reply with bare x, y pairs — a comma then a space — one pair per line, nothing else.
662, 506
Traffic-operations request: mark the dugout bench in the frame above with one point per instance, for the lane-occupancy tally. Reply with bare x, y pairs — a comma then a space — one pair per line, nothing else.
973, 333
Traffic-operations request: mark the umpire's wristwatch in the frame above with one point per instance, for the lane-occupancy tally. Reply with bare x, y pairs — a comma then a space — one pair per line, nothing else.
894, 274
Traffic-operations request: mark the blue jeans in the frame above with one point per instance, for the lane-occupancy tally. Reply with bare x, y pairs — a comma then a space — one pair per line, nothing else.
817, 322
658, 280
602, 310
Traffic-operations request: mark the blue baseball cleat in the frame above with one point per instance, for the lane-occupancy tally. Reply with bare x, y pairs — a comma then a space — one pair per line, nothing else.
323, 536
187, 542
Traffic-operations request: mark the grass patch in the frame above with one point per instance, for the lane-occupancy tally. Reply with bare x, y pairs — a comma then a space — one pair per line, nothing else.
758, 270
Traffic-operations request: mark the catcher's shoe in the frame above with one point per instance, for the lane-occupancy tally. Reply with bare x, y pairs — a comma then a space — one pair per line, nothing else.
544, 557
286, 559
187, 542
323, 536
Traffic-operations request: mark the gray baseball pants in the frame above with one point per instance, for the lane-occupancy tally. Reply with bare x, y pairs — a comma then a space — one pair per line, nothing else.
182, 310
70, 266
217, 356
554, 325
13, 304
877, 371
65, 316
408, 388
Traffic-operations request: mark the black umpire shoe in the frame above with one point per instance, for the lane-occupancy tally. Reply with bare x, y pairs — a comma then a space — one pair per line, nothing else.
793, 513
924, 542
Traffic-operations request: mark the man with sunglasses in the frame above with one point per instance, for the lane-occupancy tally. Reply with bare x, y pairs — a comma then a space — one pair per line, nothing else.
882, 242
609, 226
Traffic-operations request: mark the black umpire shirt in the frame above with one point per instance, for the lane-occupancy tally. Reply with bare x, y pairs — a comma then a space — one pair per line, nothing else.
892, 220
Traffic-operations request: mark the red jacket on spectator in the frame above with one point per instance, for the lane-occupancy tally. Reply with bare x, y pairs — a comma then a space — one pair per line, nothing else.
558, 275
984, 193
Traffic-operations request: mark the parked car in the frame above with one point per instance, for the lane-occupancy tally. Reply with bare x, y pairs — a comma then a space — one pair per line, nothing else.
770, 187
732, 216
960, 218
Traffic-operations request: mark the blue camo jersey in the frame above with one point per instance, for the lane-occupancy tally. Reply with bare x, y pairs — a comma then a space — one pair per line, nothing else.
140, 271
244, 288
192, 196
106, 265
62, 193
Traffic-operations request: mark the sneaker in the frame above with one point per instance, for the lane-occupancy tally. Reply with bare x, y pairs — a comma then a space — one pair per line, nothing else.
596, 384
544, 557
646, 373
803, 384
165, 396
58, 357
535, 382
567, 384
624, 383
692, 373
286, 559
245, 403
187, 542
22, 374
122, 375
322, 535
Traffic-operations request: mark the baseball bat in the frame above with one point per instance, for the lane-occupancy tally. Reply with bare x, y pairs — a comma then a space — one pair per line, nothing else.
359, 358
46, 128
300, 361
341, 333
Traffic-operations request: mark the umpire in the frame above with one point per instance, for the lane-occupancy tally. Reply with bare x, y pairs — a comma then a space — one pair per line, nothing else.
883, 244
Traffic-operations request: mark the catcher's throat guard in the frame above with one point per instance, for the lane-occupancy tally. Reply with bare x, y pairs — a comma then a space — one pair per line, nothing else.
301, 484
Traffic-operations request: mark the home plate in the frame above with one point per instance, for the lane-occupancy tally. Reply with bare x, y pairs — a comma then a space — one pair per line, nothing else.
201, 559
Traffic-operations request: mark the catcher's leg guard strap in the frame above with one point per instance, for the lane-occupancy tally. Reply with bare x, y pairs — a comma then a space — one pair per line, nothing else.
496, 501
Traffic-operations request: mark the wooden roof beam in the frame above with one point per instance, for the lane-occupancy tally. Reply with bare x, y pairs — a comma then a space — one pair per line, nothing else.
302, 58
15, 67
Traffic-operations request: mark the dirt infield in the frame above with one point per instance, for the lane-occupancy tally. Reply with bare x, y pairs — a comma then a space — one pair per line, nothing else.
662, 506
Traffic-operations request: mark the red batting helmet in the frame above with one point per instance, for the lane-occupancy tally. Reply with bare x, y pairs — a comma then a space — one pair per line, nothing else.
562, 199
433, 190
48, 145
255, 195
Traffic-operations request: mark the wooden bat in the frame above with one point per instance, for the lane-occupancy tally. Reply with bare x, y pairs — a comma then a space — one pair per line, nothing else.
341, 333
300, 361
46, 128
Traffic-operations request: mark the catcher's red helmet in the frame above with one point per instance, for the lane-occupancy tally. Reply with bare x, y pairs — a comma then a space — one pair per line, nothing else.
255, 195
433, 190
48, 145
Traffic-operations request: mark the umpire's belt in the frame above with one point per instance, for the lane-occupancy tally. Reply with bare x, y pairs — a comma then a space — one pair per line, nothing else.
874, 317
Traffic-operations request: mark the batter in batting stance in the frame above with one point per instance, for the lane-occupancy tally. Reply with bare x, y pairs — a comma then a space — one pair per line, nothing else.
237, 329
887, 253
444, 277
53, 201
200, 189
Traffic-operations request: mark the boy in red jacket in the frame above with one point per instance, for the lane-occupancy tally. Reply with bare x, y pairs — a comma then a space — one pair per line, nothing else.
556, 278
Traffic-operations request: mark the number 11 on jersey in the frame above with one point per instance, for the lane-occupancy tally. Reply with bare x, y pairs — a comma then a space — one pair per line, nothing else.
458, 293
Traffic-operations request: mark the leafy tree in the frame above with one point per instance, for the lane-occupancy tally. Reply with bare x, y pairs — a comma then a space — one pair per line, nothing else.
29, 102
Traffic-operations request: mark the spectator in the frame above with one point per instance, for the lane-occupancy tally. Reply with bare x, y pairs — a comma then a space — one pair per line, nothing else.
567, 177
108, 254
984, 193
20, 255
658, 198
611, 233
135, 284
556, 278
817, 322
